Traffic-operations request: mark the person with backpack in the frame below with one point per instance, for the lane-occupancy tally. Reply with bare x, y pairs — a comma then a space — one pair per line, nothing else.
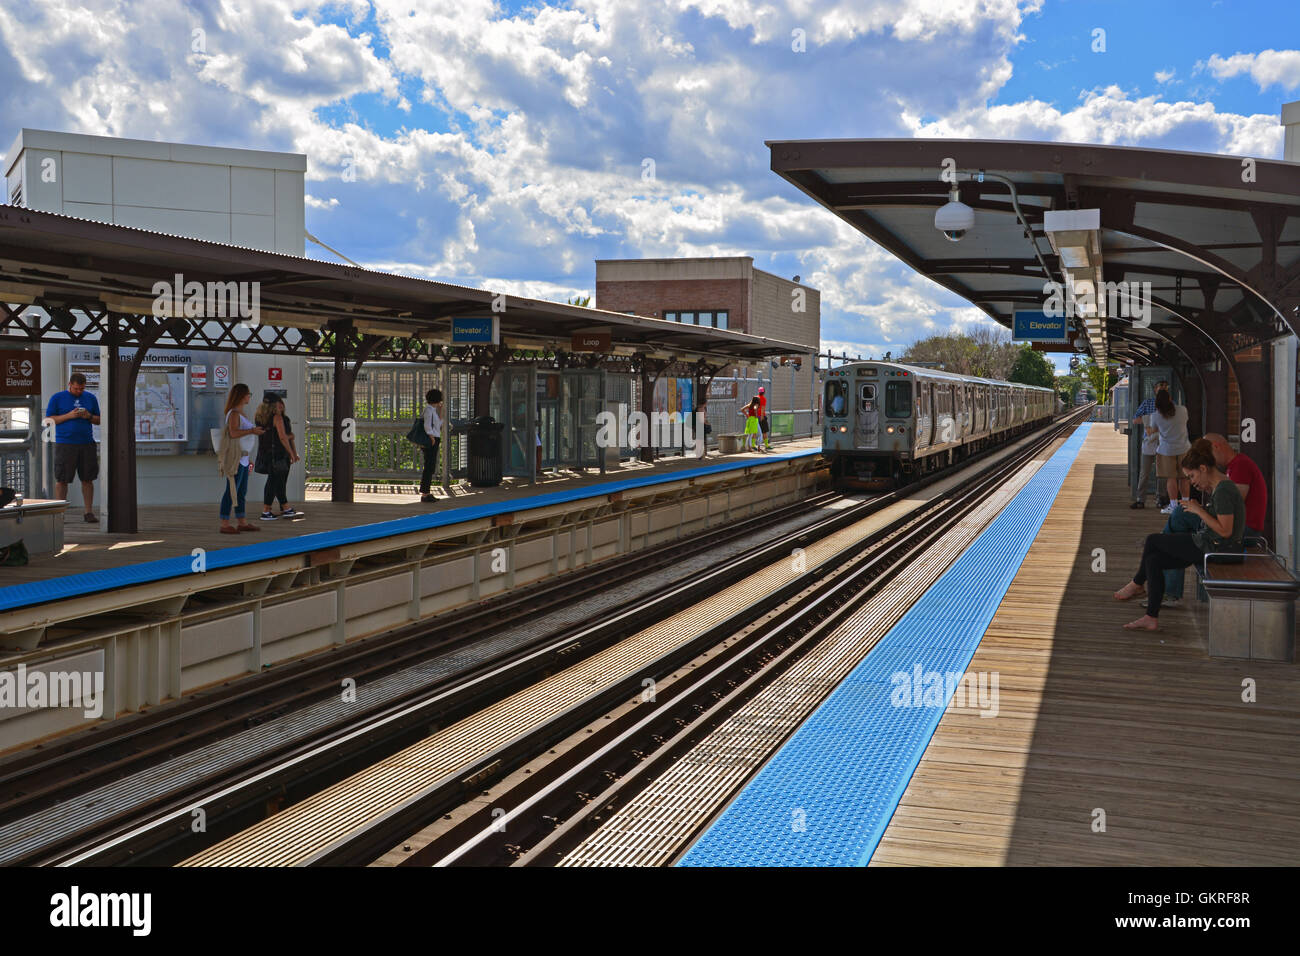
276, 454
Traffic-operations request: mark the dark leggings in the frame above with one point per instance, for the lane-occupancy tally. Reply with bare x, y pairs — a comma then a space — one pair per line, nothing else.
276, 487
430, 460
1161, 553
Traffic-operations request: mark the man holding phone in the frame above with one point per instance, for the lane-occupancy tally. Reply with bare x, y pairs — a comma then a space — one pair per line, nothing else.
73, 412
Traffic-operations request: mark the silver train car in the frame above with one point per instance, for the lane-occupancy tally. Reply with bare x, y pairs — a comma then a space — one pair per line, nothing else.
886, 424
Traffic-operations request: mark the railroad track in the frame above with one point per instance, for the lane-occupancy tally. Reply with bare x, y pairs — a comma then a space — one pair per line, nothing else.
639, 788
332, 748
51, 774
364, 815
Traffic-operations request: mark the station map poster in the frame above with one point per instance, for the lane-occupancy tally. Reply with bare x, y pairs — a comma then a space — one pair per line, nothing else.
161, 403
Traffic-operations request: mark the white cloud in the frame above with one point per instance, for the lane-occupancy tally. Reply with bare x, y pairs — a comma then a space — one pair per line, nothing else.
1110, 117
505, 149
1164, 76
1267, 68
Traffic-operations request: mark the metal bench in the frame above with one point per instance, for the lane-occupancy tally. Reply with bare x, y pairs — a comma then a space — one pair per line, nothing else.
1251, 604
37, 524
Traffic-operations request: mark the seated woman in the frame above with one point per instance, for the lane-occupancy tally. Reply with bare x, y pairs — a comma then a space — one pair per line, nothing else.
1222, 527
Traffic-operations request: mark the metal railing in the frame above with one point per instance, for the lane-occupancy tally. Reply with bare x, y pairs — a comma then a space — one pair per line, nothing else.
387, 399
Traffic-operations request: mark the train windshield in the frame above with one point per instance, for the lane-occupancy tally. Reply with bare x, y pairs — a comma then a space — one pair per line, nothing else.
898, 399
837, 398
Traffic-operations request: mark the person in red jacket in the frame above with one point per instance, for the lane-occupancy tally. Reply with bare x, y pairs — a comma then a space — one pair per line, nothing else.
762, 419
1246, 475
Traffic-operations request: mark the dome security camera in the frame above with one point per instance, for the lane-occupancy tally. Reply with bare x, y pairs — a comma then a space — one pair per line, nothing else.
954, 218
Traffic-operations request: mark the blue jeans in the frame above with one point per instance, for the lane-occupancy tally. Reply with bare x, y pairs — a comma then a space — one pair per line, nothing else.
241, 486
1181, 521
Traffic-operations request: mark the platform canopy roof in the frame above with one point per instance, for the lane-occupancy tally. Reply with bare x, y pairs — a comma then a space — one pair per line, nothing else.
1217, 237
107, 272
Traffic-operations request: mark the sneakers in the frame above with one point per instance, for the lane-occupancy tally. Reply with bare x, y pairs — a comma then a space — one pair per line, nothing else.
1167, 510
1138, 504
1168, 601
287, 513
267, 516
428, 498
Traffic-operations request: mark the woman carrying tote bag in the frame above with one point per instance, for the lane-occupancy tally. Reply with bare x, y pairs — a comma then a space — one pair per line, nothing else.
232, 459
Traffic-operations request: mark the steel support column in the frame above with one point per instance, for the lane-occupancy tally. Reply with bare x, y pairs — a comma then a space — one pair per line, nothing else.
343, 453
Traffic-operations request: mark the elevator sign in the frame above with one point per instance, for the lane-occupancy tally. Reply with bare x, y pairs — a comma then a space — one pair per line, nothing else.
485, 331
1035, 325
21, 373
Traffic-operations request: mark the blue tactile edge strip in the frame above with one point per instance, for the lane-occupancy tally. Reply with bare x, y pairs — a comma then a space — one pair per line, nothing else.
827, 795
91, 582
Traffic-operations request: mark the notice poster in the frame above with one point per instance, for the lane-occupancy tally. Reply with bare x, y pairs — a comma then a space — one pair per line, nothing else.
161, 403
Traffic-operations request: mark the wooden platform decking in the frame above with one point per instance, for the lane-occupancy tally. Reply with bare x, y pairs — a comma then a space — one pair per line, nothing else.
168, 531
1143, 727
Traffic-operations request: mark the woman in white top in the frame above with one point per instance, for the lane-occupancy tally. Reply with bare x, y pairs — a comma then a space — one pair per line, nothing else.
432, 428
232, 460
1170, 421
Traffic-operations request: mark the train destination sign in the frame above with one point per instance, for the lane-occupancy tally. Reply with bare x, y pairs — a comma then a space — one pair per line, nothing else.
591, 341
1035, 325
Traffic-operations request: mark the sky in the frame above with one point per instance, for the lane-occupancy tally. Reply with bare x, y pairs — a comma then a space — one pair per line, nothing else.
508, 145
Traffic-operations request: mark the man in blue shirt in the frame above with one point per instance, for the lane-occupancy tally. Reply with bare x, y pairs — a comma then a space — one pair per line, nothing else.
1148, 405
73, 411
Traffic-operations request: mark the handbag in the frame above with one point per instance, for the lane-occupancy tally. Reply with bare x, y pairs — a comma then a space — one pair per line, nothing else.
417, 435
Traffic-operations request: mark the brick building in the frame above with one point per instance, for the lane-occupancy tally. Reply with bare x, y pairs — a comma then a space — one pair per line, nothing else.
727, 292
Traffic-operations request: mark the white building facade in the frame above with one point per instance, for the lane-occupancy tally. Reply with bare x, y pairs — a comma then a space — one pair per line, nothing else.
241, 197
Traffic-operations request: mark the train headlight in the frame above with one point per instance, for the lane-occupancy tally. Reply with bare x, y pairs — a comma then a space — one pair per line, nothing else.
844, 428
889, 430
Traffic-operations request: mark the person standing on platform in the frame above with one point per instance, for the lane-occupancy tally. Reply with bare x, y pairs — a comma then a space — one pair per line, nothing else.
73, 411
1142, 419
751, 433
1150, 445
1171, 422
762, 419
432, 428
276, 454
232, 460
1248, 479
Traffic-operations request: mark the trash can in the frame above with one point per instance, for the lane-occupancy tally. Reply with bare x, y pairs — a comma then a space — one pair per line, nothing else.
484, 450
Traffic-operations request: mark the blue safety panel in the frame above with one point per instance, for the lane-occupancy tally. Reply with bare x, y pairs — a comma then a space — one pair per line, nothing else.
826, 796
90, 582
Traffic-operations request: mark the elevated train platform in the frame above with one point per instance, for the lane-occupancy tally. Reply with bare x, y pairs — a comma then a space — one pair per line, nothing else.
1101, 746
180, 607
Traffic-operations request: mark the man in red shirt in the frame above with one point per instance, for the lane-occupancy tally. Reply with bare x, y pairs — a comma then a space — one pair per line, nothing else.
1245, 474
762, 419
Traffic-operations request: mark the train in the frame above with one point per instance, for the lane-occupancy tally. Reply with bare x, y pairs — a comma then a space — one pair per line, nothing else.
886, 424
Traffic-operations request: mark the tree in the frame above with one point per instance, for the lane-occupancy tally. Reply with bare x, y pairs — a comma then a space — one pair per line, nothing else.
1068, 386
1099, 378
583, 301
1032, 368
986, 352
